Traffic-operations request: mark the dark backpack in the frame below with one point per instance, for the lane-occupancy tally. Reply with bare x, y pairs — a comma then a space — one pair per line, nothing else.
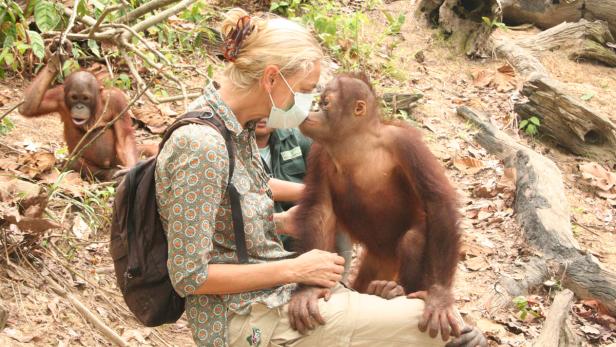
139, 244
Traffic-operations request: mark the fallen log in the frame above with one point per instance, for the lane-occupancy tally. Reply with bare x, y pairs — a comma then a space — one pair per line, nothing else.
583, 40
547, 14
567, 121
401, 102
564, 120
541, 209
463, 21
557, 328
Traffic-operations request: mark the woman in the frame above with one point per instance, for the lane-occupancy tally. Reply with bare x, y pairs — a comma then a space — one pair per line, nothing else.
274, 65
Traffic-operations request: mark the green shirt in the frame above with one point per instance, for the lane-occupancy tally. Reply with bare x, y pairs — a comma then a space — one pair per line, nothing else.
289, 154
191, 173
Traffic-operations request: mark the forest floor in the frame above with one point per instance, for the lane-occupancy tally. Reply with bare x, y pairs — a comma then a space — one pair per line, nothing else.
77, 258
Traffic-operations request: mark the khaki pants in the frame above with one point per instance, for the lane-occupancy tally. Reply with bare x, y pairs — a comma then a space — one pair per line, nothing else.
352, 319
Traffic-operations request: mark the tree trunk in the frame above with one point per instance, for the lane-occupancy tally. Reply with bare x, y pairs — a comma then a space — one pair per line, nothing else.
462, 21
548, 13
583, 40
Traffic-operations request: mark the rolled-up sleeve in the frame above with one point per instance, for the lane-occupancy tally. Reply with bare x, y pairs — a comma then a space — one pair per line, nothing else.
190, 172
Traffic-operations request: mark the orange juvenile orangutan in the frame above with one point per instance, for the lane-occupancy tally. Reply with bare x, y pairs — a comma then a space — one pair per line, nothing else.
83, 103
380, 183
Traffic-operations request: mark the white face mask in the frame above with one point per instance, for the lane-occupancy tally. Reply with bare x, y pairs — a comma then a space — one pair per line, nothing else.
295, 115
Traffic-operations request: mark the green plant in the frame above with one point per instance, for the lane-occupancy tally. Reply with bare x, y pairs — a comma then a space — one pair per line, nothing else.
587, 96
122, 81
494, 23
531, 125
290, 8
6, 126
521, 303
394, 24
94, 207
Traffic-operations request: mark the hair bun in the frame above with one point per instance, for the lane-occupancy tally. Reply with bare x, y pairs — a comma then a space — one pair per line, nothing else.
235, 28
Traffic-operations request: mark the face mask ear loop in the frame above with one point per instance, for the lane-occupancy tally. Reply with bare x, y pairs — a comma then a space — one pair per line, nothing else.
272, 100
285, 82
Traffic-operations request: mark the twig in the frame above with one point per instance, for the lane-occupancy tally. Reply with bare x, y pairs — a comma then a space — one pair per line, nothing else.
179, 97
10, 110
91, 317
124, 42
84, 19
101, 18
69, 27
109, 67
143, 40
161, 16
140, 81
148, 6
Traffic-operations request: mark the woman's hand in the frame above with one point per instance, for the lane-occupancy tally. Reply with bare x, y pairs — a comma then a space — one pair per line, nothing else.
318, 268
285, 222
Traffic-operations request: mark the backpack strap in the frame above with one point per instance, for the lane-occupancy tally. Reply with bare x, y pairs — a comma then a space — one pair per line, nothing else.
213, 120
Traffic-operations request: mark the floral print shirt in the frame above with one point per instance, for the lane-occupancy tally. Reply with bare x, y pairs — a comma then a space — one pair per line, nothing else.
191, 172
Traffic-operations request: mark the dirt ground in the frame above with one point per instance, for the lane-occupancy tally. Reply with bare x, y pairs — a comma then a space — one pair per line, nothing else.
493, 243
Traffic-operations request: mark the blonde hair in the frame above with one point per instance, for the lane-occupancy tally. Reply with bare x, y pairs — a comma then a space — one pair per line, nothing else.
273, 41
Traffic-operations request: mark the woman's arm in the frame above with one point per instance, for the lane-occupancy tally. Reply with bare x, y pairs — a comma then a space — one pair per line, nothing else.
316, 267
284, 190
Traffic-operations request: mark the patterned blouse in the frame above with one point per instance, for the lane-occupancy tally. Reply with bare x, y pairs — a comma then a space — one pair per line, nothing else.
191, 172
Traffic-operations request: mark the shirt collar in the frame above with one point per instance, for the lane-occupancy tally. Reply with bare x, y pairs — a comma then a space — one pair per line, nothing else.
223, 110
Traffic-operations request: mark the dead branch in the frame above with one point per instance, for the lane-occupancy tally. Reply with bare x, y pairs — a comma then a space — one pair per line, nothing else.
10, 110
102, 17
69, 26
144, 41
91, 317
145, 8
161, 16
124, 43
583, 40
554, 333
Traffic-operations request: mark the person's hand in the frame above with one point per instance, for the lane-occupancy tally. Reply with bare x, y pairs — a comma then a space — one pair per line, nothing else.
439, 312
285, 222
304, 308
385, 289
318, 268
470, 337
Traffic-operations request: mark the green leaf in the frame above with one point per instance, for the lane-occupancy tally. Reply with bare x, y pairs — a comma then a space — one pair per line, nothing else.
535, 121
46, 16
9, 59
82, 9
587, 96
487, 21
8, 42
531, 129
523, 124
37, 43
22, 47
70, 66
94, 48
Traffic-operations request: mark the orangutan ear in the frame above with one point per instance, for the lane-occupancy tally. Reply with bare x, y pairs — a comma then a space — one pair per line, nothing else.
360, 108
